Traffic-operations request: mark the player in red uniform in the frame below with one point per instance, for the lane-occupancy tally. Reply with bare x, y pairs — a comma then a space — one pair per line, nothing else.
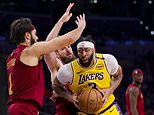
57, 59
134, 96
24, 67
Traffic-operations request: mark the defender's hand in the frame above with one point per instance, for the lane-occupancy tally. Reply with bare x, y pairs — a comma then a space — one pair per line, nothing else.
81, 23
67, 15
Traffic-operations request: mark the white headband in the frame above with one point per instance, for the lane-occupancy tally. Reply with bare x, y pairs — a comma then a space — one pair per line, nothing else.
85, 44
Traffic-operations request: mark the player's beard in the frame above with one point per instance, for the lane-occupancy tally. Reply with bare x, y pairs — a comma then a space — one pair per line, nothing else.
32, 40
87, 63
137, 82
66, 59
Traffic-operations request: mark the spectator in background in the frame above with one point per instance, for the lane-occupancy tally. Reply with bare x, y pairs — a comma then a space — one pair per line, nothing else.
134, 96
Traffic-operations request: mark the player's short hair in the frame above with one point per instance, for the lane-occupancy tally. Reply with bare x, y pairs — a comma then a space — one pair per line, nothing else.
18, 29
87, 38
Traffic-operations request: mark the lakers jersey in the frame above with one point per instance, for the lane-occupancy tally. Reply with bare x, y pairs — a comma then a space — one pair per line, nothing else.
97, 74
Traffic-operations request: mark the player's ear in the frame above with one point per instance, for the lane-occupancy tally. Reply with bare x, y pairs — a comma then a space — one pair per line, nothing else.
57, 53
27, 36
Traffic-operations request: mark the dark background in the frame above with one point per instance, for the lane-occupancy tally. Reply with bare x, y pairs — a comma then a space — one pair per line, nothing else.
123, 28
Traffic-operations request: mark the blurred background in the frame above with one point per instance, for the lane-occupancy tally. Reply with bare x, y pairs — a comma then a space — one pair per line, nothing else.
123, 28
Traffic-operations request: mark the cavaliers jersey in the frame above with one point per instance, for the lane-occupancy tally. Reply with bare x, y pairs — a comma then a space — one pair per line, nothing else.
24, 82
140, 101
97, 74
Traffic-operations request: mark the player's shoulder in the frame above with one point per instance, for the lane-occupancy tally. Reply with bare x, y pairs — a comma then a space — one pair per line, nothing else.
65, 72
108, 56
134, 90
66, 66
100, 55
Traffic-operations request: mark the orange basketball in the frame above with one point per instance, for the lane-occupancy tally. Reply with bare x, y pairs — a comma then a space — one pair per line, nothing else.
90, 101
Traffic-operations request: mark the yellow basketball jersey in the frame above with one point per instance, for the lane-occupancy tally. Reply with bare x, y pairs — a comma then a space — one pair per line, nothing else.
97, 74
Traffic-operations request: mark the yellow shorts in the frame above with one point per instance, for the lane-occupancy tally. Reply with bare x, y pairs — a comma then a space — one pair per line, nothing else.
113, 110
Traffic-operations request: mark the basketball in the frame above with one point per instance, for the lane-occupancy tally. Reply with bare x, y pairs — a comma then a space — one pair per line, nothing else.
90, 100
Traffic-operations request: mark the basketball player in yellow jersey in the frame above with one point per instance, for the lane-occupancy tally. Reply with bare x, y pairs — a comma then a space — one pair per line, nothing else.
91, 68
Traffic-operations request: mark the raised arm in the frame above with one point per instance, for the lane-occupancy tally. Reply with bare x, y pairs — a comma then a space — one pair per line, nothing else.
51, 60
41, 48
65, 17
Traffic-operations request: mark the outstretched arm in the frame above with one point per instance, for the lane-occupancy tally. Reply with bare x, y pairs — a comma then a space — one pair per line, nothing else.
51, 60
40, 48
65, 17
